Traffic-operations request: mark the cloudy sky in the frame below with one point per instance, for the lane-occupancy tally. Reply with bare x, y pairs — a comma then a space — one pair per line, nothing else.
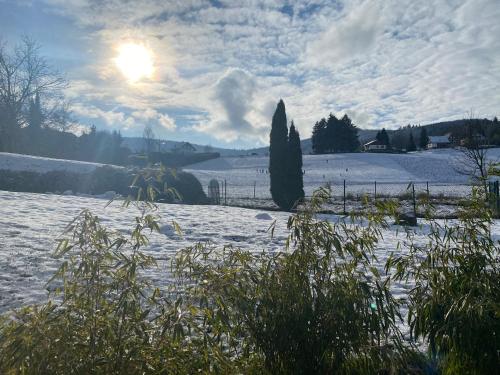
218, 67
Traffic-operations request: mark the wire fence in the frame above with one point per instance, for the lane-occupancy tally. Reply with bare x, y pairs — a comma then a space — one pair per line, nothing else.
349, 190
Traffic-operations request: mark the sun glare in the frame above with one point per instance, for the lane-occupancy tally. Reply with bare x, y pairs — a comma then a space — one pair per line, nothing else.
135, 61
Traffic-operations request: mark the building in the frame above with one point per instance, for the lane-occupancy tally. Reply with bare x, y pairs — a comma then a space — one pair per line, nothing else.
441, 141
374, 145
184, 148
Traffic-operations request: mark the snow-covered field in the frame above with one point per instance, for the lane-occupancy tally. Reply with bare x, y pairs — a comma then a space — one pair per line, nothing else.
19, 162
392, 172
30, 224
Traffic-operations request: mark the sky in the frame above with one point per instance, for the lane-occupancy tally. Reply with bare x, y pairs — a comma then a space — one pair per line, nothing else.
219, 67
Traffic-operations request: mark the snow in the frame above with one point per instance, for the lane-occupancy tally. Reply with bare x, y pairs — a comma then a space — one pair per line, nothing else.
18, 162
392, 172
31, 223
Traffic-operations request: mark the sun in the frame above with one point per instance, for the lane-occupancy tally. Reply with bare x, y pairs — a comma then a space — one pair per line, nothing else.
135, 61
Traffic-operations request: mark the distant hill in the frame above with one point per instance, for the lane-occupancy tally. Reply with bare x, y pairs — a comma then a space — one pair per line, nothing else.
136, 144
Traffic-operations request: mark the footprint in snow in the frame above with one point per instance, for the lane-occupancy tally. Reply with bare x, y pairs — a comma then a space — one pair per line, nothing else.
235, 238
169, 231
263, 216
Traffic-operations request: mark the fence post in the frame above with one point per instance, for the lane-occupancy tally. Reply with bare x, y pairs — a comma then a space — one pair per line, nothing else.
254, 184
375, 190
344, 198
225, 192
428, 194
414, 200
497, 196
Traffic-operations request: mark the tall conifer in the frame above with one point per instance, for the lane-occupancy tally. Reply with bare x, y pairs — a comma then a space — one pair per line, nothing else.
295, 179
278, 148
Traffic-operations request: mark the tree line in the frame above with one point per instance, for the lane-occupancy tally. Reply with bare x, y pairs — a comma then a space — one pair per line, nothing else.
335, 135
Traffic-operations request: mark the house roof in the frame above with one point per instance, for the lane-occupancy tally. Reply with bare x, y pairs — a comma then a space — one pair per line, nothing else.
439, 139
375, 142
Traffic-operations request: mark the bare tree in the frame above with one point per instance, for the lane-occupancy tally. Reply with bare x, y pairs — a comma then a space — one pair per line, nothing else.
149, 138
474, 161
59, 117
23, 74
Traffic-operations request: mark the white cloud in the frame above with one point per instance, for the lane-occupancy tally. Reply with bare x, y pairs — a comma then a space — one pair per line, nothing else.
167, 122
385, 62
354, 34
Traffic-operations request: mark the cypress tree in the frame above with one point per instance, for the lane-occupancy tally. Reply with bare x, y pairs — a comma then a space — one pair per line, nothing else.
424, 139
278, 147
295, 179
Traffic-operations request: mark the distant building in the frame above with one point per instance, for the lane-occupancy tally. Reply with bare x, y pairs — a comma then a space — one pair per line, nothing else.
441, 141
184, 148
374, 145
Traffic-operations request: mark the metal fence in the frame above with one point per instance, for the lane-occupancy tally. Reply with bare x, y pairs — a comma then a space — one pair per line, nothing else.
350, 190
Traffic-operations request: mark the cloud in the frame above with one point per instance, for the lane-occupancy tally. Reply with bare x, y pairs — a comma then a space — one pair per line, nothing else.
234, 91
167, 122
222, 69
155, 118
354, 34
110, 118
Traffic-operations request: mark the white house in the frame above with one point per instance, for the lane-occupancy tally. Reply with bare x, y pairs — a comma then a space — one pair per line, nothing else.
441, 141
374, 145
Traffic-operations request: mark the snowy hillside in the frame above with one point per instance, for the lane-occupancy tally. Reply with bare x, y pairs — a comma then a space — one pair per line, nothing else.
19, 162
391, 171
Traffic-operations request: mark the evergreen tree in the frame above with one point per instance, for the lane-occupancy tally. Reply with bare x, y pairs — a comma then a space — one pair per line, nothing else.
424, 139
295, 178
319, 137
350, 141
278, 148
383, 137
411, 143
335, 135
331, 128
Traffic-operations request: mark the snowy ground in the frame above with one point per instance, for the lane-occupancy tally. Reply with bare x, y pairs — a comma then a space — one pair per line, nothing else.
392, 172
30, 223
19, 162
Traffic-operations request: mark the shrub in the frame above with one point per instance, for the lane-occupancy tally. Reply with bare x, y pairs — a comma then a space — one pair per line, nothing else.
170, 186
28, 181
454, 305
106, 178
103, 318
318, 307
188, 187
